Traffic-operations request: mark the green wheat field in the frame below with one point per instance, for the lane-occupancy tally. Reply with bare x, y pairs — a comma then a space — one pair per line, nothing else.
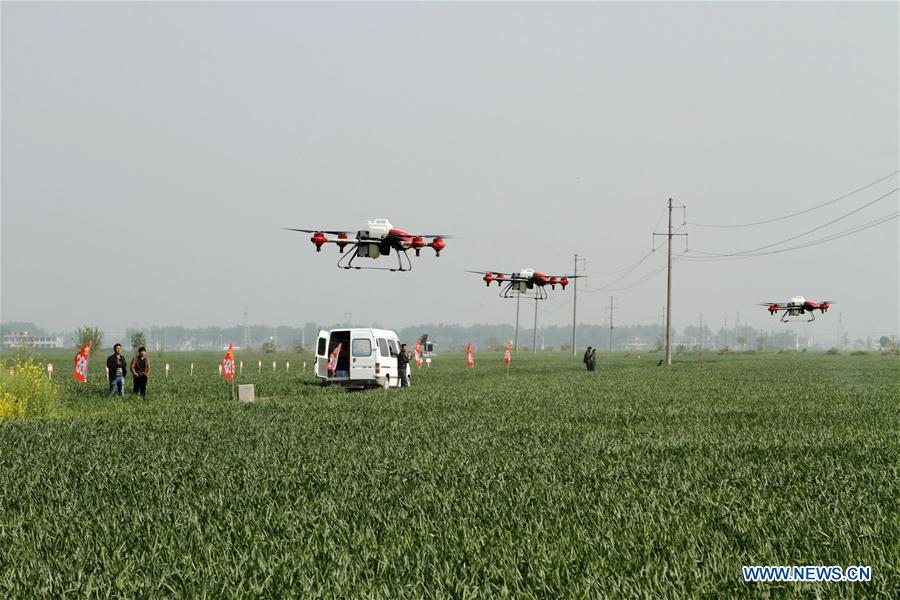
543, 482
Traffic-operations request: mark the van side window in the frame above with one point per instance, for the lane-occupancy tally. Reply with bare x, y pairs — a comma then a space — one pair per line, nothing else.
362, 347
395, 347
320, 350
383, 347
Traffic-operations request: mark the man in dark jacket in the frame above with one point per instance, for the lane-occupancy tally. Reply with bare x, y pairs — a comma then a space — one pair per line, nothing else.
590, 360
403, 365
115, 366
140, 371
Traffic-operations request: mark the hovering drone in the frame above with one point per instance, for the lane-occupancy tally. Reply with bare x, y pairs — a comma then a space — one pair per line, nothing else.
515, 284
376, 240
797, 306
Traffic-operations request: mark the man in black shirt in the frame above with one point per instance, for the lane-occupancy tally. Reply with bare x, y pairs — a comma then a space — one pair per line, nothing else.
115, 366
140, 371
403, 365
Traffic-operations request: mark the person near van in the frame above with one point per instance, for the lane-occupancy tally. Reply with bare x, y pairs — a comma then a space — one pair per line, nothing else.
115, 366
140, 371
403, 365
590, 360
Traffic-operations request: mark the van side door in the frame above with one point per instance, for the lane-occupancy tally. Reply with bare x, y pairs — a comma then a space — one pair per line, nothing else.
362, 356
388, 359
322, 355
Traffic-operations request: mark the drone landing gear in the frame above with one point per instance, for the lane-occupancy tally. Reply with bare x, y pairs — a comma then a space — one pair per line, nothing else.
346, 261
511, 292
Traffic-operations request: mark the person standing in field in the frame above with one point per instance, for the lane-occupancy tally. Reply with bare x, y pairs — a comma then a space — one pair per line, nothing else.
115, 366
590, 361
403, 366
140, 371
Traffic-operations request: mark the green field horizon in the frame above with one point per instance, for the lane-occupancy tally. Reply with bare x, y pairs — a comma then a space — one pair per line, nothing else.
538, 481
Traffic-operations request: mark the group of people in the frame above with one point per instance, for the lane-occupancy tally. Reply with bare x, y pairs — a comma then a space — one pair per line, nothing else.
140, 371
590, 358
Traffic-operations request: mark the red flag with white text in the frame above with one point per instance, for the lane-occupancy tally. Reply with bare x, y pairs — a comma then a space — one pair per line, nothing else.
81, 362
228, 363
417, 353
470, 358
506, 357
333, 360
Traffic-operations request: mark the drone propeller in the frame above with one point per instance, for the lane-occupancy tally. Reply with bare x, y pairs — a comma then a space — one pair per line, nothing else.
330, 232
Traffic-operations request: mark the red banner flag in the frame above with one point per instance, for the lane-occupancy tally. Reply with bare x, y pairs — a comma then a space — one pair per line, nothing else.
228, 363
417, 353
81, 362
506, 357
333, 360
470, 358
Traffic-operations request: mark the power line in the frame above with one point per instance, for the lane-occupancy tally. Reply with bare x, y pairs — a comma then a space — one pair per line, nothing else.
839, 198
835, 236
792, 238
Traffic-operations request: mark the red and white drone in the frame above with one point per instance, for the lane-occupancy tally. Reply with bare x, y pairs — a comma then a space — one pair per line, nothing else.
515, 284
797, 306
377, 239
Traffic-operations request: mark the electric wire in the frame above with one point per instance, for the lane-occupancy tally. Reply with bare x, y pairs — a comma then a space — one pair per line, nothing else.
829, 238
804, 211
792, 238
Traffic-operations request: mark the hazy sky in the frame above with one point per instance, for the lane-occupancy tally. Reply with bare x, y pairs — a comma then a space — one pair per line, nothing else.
153, 153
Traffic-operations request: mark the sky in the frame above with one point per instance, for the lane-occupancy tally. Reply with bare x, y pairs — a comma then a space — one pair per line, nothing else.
153, 153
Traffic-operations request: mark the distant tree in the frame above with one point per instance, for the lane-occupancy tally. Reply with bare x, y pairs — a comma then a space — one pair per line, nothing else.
886, 343
832, 351
138, 340
742, 341
87, 334
268, 347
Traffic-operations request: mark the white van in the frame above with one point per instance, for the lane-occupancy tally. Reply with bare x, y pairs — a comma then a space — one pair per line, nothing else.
367, 357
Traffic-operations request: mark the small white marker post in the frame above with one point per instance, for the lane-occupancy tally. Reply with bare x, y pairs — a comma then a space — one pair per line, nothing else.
220, 369
287, 365
304, 365
273, 365
192, 369
259, 367
167, 369
50, 370
241, 367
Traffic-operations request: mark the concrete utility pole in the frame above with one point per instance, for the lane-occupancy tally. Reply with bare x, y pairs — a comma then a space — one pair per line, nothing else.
669, 286
575, 303
534, 333
700, 333
516, 342
611, 309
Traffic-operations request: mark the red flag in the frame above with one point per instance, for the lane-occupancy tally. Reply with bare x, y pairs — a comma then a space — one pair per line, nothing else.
506, 357
333, 360
417, 353
228, 363
81, 362
470, 358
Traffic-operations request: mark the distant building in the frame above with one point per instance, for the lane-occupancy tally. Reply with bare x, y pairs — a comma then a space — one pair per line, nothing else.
635, 343
21, 340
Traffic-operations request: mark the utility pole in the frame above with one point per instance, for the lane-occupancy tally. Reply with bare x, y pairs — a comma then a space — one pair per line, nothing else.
516, 342
700, 333
246, 329
611, 308
534, 332
669, 235
575, 302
